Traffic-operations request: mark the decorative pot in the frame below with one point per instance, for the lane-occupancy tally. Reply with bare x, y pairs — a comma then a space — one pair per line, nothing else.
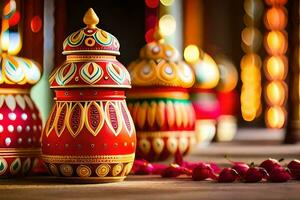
90, 136
228, 98
159, 102
203, 97
20, 122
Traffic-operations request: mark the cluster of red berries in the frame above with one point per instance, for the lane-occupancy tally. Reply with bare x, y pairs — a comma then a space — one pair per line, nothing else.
268, 170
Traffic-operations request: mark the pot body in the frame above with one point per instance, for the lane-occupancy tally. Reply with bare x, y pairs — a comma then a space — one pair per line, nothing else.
89, 135
207, 109
165, 122
20, 131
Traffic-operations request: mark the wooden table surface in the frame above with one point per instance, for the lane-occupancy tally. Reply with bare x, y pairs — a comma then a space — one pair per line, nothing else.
146, 187
156, 188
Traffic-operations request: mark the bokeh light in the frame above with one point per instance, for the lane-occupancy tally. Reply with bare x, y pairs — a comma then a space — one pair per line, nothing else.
276, 2
254, 9
191, 53
36, 24
149, 35
275, 93
167, 2
167, 25
275, 18
275, 117
276, 43
152, 3
275, 67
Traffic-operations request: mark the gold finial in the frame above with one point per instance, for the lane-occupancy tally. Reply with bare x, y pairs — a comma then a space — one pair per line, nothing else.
157, 35
90, 18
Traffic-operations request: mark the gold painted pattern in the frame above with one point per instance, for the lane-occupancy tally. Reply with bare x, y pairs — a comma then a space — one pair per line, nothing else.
161, 134
88, 159
148, 95
103, 112
161, 113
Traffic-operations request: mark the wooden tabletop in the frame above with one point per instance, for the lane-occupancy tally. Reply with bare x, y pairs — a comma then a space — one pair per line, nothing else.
145, 187
156, 188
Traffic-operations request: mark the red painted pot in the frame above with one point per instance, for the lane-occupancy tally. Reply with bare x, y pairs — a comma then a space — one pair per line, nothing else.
20, 122
90, 136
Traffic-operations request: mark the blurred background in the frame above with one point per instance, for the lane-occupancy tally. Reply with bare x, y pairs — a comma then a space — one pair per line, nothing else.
252, 44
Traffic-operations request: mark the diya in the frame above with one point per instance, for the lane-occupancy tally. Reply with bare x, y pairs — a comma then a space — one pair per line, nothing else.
89, 135
228, 98
203, 97
159, 102
20, 122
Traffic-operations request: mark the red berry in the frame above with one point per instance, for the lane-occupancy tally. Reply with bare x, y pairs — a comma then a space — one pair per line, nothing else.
279, 174
294, 167
228, 175
202, 172
175, 170
142, 167
255, 174
241, 168
270, 164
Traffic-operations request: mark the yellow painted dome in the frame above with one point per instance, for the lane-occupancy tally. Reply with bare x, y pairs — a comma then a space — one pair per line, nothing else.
160, 65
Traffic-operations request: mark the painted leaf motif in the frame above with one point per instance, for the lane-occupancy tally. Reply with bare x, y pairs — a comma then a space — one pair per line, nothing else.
91, 72
126, 118
50, 122
10, 102
113, 118
21, 101
94, 117
15, 166
116, 73
3, 165
60, 124
158, 145
66, 73
75, 120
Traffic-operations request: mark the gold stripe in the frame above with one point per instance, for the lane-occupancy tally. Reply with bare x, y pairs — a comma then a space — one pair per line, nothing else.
93, 58
14, 91
91, 179
91, 51
89, 159
141, 134
92, 86
146, 95
19, 150
104, 99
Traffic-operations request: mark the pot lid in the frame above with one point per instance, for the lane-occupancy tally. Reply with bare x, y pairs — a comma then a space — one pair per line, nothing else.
160, 65
91, 39
90, 66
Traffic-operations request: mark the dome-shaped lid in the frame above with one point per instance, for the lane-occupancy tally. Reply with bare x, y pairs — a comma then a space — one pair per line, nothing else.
160, 65
19, 71
91, 39
88, 67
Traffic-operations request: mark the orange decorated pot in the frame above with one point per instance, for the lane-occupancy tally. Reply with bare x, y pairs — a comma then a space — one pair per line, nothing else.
20, 122
90, 136
159, 102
